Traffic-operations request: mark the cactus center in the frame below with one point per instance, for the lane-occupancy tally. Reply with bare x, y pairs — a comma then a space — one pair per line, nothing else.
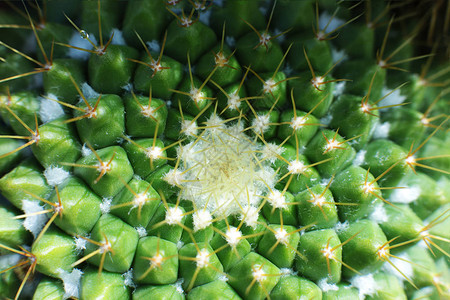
223, 172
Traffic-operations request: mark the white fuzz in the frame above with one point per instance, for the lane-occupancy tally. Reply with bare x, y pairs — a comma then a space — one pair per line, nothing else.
189, 128
118, 37
341, 226
333, 23
202, 219
326, 120
271, 152
78, 40
406, 195
154, 152
365, 284
230, 41
381, 130
325, 286
339, 88
277, 199
234, 101
153, 46
34, 223
55, 175
258, 273
139, 200
359, 159
202, 258
80, 243
281, 235
233, 236
251, 216
85, 151
50, 110
141, 231
297, 122
215, 122
223, 174
174, 177
337, 55
260, 123
180, 244
223, 278
287, 272
205, 17
393, 99
174, 215
88, 91
72, 282
105, 206
178, 286
268, 85
9, 260
402, 265
296, 167
379, 214
128, 278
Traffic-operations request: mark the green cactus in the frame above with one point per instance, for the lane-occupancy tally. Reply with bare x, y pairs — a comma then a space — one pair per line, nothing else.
173, 149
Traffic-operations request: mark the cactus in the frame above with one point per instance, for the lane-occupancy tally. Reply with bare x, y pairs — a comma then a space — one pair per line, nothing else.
223, 150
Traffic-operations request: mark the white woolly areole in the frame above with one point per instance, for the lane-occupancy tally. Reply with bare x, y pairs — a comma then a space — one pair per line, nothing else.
178, 286
222, 174
379, 214
251, 216
55, 175
34, 223
202, 219
277, 199
406, 195
128, 278
154, 46
180, 244
118, 37
174, 215
281, 235
189, 128
333, 23
202, 258
341, 226
88, 91
230, 41
234, 101
50, 110
296, 167
105, 206
271, 152
174, 177
325, 286
402, 265
381, 130
9, 260
365, 284
233, 236
85, 151
260, 123
258, 273
71, 282
79, 41
287, 272
142, 232
359, 159
392, 99
80, 243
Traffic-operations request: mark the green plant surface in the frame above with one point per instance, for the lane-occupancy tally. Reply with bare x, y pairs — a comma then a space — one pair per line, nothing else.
226, 149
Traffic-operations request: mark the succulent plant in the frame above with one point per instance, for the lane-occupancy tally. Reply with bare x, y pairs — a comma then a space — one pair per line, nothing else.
223, 150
